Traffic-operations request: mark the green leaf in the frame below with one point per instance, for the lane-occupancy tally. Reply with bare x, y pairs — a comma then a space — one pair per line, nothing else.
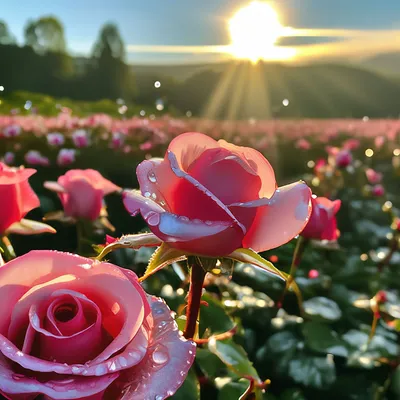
319, 337
163, 256
209, 363
316, 372
131, 242
281, 342
322, 309
190, 390
251, 257
232, 390
214, 317
234, 357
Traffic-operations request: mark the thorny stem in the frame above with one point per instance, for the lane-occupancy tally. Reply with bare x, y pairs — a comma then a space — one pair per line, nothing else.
7, 248
197, 276
297, 255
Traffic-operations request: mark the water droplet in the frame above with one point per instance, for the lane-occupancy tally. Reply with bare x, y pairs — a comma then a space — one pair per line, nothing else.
160, 356
162, 203
112, 366
152, 177
153, 196
158, 311
183, 218
158, 397
147, 194
208, 222
153, 219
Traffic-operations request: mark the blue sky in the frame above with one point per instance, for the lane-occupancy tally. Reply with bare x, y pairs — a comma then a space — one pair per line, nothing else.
191, 22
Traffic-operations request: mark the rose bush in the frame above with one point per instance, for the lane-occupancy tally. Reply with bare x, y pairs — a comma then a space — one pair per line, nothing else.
322, 224
210, 198
81, 192
71, 328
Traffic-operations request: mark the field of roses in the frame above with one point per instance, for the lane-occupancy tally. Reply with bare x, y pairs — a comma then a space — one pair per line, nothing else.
142, 259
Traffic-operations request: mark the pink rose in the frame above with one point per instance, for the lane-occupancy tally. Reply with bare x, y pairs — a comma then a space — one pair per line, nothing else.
373, 176
17, 197
343, 158
33, 157
9, 158
378, 190
81, 192
66, 157
303, 144
75, 328
117, 139
55, 139
210, 198
80, 138
322, 224
12, 131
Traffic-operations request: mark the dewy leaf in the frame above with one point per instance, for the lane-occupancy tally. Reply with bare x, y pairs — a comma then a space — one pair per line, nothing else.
163, 256
251, 257
322, 308
190, 390
316, 372
319, 337
234, 357
131, 242
29, 227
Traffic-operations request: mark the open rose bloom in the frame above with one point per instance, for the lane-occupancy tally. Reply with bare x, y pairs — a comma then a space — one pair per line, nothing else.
74, 328
211, 198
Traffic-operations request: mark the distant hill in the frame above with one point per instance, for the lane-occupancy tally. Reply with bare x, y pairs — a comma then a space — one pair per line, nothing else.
243, 90
386, 63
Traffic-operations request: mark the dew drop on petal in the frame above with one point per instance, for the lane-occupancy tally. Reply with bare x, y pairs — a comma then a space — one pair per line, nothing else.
160, 356
147, 194
152, 177
153, 219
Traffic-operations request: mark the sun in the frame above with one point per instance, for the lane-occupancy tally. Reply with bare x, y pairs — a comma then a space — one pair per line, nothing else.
254, 30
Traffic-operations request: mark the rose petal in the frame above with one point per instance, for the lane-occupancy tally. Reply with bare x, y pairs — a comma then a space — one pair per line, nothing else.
189, 146
278, 219
15, 386
132, 354
9, 176
258, 163
187, 205
225, 176
54, 186
85, 339
29, 227
200, 237
169, 354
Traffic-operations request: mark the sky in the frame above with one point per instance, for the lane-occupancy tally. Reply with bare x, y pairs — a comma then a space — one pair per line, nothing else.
202, 23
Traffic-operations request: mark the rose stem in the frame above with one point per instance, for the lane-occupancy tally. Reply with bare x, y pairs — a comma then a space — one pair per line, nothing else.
197, 276
7, 248
297, 255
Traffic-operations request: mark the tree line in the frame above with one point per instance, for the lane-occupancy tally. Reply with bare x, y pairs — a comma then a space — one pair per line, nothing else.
42, 64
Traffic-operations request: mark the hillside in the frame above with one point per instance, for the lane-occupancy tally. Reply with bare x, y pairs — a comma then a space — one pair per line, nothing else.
314, 91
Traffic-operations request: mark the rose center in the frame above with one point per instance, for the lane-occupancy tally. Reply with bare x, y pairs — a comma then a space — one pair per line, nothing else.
65, 312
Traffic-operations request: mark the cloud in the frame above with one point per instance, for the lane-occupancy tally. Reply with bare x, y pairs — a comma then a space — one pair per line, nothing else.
348, 43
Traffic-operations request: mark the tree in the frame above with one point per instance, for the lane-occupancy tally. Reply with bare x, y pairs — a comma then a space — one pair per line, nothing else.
109, 43
45, 34
109, 76
6, 37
